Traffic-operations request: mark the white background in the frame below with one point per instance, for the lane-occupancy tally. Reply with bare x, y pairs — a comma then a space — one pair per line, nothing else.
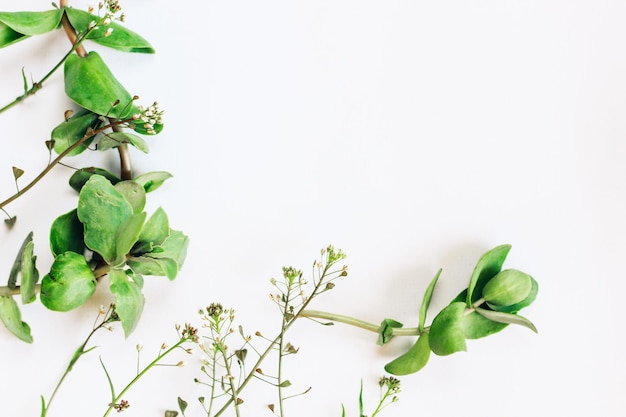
414, 135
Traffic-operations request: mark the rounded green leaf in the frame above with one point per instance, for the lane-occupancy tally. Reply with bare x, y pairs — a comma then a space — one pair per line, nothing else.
66, 234
127, 235
487, 266
102, 209
69, 284
91, 84
73, 130
507, 288
524, 303
413, 360
152, 180
128, 299
115, 139
154, 232
79, 178
12, 319
133, 193
446, 331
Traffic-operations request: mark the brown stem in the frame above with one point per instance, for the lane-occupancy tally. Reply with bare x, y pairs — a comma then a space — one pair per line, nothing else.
71, 32
126, 168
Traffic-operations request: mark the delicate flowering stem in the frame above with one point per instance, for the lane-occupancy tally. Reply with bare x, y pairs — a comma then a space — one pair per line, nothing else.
56, 160
151, 365
77, 47
77, 355
231, 381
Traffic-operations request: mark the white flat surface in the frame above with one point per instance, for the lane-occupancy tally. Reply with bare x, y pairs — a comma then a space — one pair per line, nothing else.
414, 136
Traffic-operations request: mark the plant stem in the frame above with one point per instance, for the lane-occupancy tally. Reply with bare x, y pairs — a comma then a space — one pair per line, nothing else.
142, 373
315, 314
77, 355
231, 381
76, 47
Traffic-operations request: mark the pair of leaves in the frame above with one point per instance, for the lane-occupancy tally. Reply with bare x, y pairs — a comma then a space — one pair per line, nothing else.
24, 265
17, 26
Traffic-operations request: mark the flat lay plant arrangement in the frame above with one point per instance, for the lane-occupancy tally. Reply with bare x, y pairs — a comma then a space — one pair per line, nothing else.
109, 239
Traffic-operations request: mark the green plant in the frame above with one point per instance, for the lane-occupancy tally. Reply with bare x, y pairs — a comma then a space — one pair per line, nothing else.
108, 233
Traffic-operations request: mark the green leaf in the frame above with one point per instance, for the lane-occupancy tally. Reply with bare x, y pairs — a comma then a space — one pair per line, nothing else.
69, 284
115, 139
30, 275
507, 318
91, 84
8, 36
12, 318
488, 265
507, 288
446, 331
32, 23
174, 247
476, 326
127, 235
102, 209
128, 299
73, 130
80, 177
524, 303
145, 265
428, 295
66, 234
121, 38
413, 360
154, 232
133, 193
182, 404
385, 333
152, 180
17, 264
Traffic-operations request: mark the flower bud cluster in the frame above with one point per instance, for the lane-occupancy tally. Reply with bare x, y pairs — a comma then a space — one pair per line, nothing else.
150, 117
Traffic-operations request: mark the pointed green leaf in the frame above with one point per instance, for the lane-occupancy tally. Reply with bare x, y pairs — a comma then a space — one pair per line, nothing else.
30, 275
162, 267
127, 235
128, 299
488, 265
154, 232
17, 173
17, 264
69, 284
8, 36
115, 139
446, 331
32, 23
507, 288
428, 295
91, 84
476, 326
182, 404
102, 210
12, 318
152, 180
73, 130
66, 234
385, 333
121, 38
80, 177
413, 360
174, 247
133, 193
507, 318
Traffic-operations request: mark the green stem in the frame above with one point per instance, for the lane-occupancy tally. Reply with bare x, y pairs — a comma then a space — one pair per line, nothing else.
141, 374
231, 381
77, 355
76, 46
315, 314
